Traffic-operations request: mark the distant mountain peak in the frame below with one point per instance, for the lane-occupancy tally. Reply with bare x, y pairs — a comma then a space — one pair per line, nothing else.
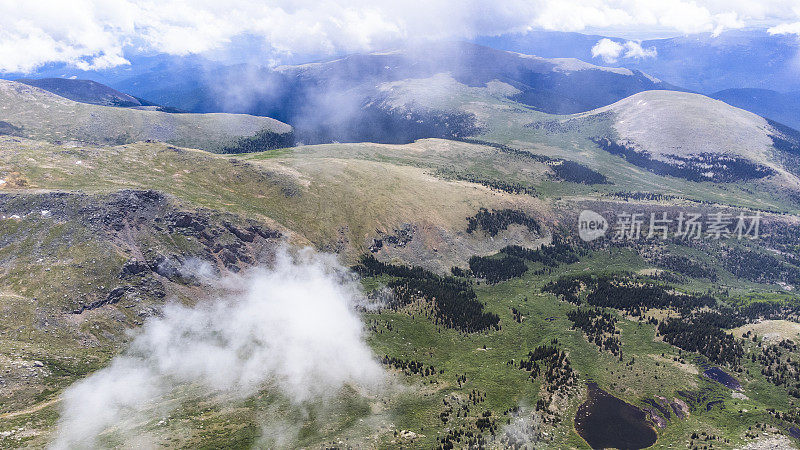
84, 91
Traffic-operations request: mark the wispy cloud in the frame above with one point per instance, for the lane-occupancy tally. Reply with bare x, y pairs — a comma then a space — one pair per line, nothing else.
99, 34
292, 328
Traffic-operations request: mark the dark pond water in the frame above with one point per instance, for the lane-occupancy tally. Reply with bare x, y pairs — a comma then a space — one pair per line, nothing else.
722, 377
604, 421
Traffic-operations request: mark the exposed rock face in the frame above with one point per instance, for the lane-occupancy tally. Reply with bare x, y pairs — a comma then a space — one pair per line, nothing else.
133, 267
155, 236
113, 297
399, 238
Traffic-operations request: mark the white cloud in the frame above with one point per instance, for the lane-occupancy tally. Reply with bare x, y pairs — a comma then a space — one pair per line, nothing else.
611, 51
727, 21
634, 50
608, 50
98, 33
292, 328
786, 28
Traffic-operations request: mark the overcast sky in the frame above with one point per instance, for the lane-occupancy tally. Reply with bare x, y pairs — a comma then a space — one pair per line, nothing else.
96, 34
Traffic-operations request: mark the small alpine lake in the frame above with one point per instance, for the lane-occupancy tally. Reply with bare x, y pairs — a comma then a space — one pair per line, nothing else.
605, 421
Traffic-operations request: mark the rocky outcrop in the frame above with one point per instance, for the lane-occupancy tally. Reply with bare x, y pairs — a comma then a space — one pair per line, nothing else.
154, 235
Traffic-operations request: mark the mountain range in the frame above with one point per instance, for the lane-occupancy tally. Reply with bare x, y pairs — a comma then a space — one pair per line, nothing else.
734, 67
161, 226
703, 62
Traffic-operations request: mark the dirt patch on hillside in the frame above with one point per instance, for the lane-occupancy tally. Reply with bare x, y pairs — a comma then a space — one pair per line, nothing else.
771, 330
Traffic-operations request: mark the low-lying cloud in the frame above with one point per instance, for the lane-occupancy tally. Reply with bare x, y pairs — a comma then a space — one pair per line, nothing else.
523, 430
612, 51
292, 328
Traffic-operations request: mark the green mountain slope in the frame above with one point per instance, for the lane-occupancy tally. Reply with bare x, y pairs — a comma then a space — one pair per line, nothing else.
39, 114
84, 91
95, 240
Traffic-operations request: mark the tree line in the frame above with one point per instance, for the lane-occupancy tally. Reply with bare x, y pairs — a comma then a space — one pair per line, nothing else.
410, 367
563, 169
686, 266
492, 222
780, 365
498, 185
625, 292
701, 333
760, 267
703, 167
598, 326
454, 302
559, 252
510, 262
497, 269
552, 363
261, 141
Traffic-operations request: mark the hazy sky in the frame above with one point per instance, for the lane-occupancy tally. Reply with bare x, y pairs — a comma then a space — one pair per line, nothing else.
101, 33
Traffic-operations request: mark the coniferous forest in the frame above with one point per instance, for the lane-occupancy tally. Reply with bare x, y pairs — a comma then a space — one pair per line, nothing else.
454, 301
